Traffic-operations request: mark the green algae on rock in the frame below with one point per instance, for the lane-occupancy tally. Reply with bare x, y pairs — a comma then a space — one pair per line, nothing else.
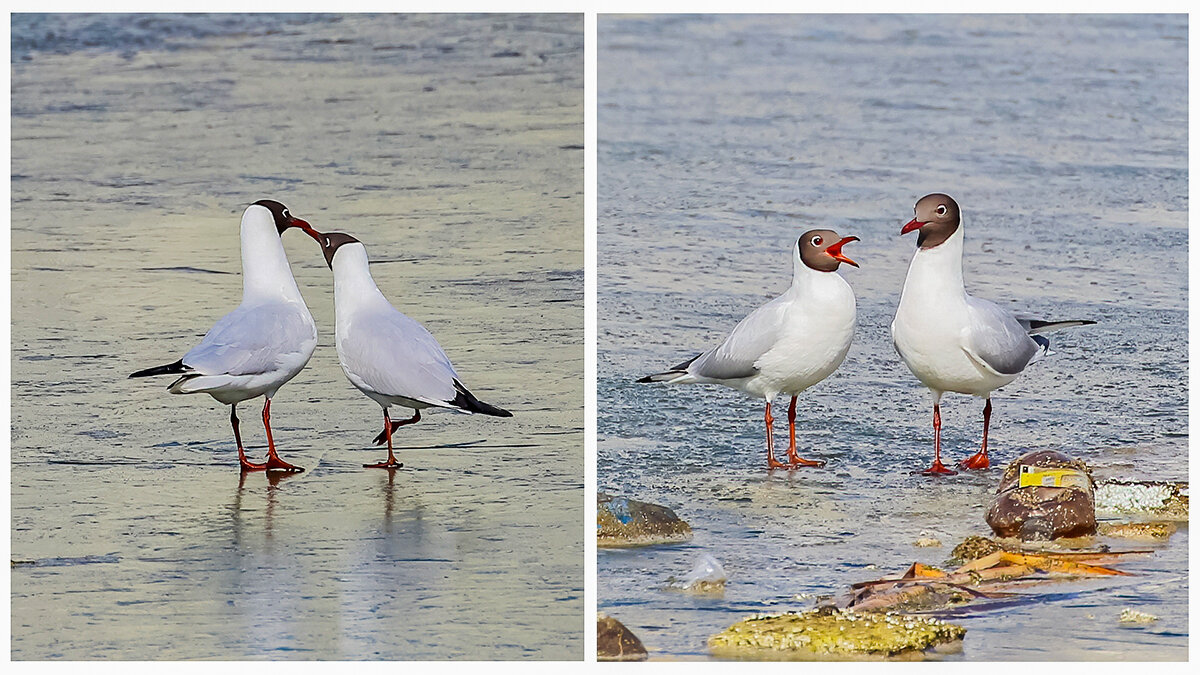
622, 522
831, 633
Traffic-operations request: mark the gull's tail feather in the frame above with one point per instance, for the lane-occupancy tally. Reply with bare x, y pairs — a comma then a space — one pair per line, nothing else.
176, 368
1044, 344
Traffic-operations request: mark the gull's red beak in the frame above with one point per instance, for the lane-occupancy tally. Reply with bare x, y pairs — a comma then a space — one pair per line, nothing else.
912, 225
307, 229
835, 251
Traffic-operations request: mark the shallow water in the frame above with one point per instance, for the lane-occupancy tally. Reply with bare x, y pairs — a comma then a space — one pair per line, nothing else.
722, 138
451, 146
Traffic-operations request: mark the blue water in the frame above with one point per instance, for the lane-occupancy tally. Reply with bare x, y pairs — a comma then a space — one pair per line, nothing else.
722, 138
128, 34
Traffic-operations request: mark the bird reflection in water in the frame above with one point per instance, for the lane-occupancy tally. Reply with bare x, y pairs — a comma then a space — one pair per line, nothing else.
274, 478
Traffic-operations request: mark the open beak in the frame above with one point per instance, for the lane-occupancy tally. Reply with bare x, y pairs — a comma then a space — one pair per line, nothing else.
835, 251
912, 225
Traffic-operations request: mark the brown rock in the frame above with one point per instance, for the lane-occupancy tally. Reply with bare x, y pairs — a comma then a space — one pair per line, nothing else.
1043, 512
615, 642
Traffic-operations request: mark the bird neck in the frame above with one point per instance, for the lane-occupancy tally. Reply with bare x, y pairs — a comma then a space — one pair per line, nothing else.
266, 273
806, 280
937, 271
353, 286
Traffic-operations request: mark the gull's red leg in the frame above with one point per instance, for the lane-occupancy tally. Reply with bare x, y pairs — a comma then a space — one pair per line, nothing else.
938, 468
273, 460
383, 435
771, 462
391, 462
979, 460
247, 465
796, 460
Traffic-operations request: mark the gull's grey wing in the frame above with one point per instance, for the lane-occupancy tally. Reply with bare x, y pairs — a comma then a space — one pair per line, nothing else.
252, 339
395, 356
997, 338
735, 358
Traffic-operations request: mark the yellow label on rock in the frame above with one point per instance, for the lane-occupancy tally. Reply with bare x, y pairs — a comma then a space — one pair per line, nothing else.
1036, 476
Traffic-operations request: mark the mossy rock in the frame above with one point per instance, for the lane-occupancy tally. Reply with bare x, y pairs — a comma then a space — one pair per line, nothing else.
622, 522
974, 547
832, 633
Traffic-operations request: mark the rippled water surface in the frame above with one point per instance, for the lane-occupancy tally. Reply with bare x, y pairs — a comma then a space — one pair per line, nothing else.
723, 138
451, 146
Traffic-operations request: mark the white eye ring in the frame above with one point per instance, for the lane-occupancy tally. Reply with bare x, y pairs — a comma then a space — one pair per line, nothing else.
941, 210
815, 241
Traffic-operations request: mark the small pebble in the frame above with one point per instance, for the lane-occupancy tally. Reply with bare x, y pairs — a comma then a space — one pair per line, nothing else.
927, 542
1134, 616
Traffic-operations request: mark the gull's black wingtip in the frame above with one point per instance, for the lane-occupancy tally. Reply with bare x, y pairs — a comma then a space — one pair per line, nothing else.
477, 406
465, 400
169, 369
644, 380
1036, 326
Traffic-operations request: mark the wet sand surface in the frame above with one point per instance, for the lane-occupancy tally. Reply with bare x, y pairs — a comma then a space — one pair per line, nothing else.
722, 139
451, 146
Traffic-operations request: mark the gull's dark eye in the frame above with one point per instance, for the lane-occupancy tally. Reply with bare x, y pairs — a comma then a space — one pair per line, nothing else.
816, 240
326, 241
941, 210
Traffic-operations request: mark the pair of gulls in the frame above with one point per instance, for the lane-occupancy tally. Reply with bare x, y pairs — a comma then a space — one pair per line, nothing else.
950, 340
255, 349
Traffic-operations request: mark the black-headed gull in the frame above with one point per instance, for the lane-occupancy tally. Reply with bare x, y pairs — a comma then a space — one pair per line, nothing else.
390, 357
266, 341
950, 340
788, 344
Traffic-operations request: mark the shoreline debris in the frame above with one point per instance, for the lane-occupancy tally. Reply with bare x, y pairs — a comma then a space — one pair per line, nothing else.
706, 578
989, 571
1162, 500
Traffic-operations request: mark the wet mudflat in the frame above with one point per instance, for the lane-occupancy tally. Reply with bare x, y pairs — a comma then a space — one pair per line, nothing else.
722, 139
450, 145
